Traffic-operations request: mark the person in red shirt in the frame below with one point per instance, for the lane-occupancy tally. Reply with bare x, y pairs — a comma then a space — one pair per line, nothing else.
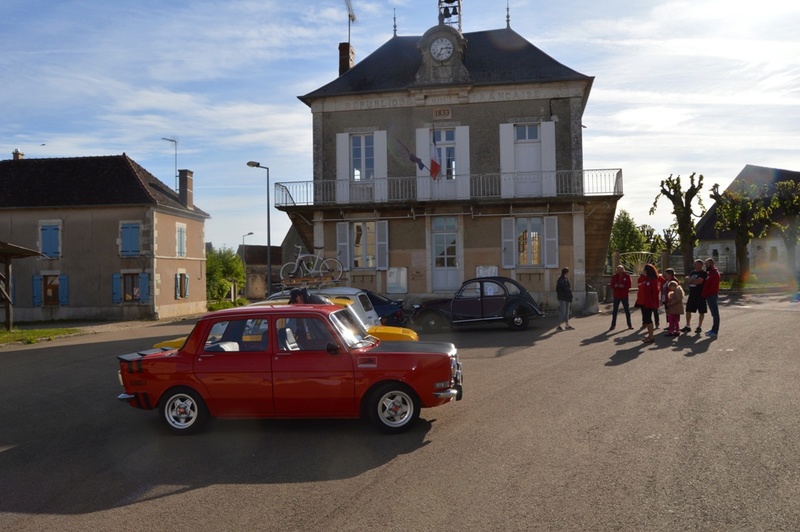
621, 285
711, 295
649, 298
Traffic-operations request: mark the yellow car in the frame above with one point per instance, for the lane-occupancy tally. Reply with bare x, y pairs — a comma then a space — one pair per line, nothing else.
382, 332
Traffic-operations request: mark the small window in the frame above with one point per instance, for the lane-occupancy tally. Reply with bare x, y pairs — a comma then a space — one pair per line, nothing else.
470, 291
362, 156
181, 286
445, 140
51, 292
130, 287
238, 336
364, 245
526, 132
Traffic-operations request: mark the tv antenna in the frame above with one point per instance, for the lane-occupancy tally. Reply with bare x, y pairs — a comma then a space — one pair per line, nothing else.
174, 142
351, 17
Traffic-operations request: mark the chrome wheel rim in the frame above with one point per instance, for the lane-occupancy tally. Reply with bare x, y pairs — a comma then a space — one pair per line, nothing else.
181, 411
395, 408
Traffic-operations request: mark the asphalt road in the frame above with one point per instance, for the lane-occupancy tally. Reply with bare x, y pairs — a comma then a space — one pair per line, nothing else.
573, 430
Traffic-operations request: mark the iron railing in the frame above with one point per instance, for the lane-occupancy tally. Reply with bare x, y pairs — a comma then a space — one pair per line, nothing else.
606, 182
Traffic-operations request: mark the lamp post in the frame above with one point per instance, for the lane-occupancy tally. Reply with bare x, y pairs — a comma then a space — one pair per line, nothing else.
244, 264
255, 164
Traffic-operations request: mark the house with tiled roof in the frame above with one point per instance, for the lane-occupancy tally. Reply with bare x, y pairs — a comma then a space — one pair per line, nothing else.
116, 242
449, 155
767, 255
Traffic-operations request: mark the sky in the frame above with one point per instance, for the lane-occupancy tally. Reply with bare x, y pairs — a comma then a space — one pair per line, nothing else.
706, 86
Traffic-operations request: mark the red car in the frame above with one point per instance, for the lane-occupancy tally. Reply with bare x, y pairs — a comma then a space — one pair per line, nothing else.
290, 361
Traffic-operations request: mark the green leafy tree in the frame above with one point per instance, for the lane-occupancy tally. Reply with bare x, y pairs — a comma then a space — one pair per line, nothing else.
625, 235
672, 189
223, 268
741, 209
786, 201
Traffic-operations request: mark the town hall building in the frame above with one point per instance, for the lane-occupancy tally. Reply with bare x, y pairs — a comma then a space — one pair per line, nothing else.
446, 156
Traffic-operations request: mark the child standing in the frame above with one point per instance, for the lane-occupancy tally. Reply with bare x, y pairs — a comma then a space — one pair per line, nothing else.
674, 308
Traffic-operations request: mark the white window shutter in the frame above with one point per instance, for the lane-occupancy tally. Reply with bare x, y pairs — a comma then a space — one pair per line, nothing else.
463, 168
381, 156
509, 238
382, 244
343, 168
343, 244
551, 241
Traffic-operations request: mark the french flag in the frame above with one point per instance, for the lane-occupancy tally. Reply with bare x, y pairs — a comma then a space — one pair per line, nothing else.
435, 165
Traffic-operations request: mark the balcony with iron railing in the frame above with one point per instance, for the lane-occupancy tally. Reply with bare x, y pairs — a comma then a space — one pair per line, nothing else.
494, 186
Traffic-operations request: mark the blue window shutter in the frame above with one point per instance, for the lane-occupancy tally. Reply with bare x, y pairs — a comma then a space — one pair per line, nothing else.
187, 285
177, 286
63, 290
130, 240
50, 241
116, 288
37, 290
144, 288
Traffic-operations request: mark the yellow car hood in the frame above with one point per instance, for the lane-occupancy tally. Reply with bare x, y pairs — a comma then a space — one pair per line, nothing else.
388, 333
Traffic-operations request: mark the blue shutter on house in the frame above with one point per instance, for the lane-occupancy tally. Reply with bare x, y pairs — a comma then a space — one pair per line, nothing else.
63, 290
37, 290
50, 241
130, 240
116, 288
187, 285
177, 286
144, 288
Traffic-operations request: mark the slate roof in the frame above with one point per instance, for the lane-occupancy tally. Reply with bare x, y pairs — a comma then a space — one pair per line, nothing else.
492, 57
750, 174
83, 182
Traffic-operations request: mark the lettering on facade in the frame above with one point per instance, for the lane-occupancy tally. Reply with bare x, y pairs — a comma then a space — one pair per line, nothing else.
442, 113
379, 103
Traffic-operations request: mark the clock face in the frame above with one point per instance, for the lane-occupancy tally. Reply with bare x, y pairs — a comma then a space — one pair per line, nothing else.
442, 48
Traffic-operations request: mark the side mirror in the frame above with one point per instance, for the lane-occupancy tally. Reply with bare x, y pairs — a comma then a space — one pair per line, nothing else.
332, 348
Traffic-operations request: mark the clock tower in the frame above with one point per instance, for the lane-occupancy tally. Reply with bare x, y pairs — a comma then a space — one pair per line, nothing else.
442, 48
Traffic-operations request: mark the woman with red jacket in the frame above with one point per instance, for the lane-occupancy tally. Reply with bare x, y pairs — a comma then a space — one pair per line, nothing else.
649, 298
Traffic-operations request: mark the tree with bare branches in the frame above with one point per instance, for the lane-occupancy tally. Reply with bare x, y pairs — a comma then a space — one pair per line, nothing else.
672, 189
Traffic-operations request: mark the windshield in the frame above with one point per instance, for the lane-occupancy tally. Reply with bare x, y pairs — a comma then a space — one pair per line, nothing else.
351, 328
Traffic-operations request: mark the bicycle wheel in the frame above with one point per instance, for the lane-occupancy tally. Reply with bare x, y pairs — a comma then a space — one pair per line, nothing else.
333, 268
287, 271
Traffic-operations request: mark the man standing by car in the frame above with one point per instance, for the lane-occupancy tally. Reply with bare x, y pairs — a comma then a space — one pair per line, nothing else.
695, 301
711, 295
621, 285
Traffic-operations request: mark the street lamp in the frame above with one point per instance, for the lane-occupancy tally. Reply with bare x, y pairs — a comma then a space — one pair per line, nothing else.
244, 264
255, 164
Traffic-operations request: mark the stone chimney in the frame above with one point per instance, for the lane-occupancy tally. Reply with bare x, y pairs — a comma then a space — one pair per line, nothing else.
186, 192
18, 155
347, 57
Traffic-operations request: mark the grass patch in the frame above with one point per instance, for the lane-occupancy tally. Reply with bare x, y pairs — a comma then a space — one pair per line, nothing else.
32, 336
